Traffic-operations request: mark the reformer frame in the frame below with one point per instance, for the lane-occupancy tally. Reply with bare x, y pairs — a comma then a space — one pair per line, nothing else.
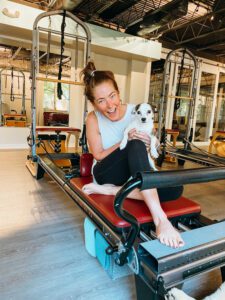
127, 242
192, 94
184, 152
22, 75
35, 66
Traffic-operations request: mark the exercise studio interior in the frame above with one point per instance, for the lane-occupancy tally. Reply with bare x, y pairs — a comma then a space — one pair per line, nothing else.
112, 149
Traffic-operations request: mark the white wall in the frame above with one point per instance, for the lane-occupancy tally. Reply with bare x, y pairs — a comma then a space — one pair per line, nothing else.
14, 137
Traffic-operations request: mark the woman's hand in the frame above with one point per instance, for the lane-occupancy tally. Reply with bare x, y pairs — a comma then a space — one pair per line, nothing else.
143, 136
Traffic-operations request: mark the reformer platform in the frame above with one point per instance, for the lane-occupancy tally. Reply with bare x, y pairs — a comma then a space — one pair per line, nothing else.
61, 129
53, 140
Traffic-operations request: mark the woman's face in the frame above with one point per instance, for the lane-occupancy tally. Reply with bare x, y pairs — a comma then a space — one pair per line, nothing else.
107, 100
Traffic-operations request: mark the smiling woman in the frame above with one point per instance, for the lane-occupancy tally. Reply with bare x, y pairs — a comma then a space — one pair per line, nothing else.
105, 129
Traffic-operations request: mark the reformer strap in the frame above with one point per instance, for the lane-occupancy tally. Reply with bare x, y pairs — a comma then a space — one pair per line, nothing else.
11, 91
48, 47
59, 85
177, 100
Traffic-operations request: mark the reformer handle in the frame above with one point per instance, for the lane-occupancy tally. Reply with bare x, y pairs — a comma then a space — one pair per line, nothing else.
127, 242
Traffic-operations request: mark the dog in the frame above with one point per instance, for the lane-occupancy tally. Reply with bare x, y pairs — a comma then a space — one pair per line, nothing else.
143, 122
176, 294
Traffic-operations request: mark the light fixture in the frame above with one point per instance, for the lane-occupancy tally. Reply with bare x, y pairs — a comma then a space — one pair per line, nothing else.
10, 14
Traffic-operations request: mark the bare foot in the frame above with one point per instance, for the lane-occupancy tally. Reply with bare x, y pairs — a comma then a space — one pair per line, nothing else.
93, 188
168, 235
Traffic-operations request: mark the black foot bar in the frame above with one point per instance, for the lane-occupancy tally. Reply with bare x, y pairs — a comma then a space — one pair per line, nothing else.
150, 180
135, 228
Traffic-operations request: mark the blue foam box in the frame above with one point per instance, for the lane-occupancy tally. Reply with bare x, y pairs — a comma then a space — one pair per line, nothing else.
108, 261
100, 249
96, 246
89, 236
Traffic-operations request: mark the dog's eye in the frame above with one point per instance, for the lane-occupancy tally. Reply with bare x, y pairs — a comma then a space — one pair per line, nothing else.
149, 111
138, 112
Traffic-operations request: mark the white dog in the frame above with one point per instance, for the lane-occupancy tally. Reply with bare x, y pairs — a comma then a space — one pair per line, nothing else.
176, 294
143, 122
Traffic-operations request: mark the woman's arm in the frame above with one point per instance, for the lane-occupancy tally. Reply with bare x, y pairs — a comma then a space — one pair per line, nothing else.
94, 138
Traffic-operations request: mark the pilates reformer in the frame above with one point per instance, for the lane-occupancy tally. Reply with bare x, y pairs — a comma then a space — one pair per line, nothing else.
127, 226
188, 151
12, 119
52, 139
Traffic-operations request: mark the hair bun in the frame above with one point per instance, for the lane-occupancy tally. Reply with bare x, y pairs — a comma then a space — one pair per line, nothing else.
88, 72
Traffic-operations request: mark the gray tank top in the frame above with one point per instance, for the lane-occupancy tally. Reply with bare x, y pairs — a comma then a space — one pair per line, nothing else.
112, 132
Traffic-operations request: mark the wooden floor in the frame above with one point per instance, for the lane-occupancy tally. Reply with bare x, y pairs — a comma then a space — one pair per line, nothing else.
42, 253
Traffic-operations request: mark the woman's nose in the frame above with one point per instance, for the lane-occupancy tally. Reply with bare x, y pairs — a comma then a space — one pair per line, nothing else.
109, 102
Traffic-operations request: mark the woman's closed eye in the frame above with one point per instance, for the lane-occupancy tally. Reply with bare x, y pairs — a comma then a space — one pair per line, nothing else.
111, 97
101, 101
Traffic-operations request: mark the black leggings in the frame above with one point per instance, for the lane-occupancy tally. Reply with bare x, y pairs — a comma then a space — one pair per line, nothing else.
120, 165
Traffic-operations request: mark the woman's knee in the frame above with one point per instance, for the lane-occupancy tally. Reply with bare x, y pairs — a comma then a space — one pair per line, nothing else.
137, 145
172, 193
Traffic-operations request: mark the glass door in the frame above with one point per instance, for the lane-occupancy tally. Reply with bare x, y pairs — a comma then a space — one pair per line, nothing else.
181, 100
219, 117
204, 107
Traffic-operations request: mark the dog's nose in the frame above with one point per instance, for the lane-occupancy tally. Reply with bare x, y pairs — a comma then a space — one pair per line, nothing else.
143, 119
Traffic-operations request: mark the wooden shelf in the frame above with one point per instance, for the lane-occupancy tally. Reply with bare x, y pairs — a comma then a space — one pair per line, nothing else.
15, 120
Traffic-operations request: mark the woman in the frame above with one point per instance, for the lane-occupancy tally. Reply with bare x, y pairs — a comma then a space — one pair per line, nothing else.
113, 167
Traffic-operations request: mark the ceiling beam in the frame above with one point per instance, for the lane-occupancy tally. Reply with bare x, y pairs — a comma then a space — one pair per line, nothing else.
16, 53
204, 35
196, 20
34, 5
209, 46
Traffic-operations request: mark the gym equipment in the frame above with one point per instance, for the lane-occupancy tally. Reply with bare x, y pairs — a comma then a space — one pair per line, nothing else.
55, 142
21, 116
188, 151
184, 57
127, 226
123, 228
218, 143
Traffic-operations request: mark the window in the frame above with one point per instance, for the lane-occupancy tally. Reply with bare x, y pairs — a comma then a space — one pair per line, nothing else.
51, 101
